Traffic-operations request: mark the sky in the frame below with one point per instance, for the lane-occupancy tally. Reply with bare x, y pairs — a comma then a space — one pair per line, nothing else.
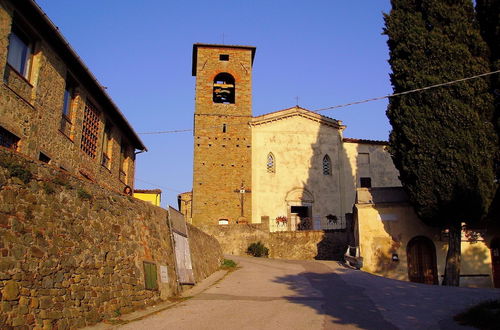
323, 52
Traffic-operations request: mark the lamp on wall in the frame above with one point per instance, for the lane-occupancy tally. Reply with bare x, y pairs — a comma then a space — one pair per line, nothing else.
395, 257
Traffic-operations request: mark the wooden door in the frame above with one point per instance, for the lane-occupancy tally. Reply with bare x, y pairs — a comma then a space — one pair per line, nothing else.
421, 255
495, 261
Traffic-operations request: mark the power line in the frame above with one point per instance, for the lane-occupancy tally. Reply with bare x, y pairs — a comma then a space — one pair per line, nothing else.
351, 103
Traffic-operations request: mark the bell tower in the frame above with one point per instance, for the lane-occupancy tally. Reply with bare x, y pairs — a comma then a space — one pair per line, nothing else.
222, 174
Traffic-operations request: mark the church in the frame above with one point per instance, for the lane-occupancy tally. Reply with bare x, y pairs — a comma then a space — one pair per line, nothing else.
291, 167
293, 170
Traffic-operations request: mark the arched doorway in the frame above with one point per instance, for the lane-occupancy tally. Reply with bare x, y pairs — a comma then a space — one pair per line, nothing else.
495, 261
421, 255
299, 202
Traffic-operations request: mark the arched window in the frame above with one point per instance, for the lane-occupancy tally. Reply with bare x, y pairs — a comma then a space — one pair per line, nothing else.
224, 88
327, 165
271, 164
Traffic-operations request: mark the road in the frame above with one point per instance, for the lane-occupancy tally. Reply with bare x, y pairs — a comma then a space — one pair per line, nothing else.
279, 294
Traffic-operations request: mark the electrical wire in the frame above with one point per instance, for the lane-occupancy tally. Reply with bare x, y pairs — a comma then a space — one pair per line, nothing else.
155, 185
348, 104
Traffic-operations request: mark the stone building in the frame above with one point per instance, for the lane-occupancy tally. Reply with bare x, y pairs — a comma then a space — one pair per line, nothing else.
293, 163
51, 106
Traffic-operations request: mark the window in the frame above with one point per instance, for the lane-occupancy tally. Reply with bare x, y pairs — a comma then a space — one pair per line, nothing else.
44, 158
123, 162
365, 182
90, 130
7, 139
224, 128
224, 57
67, 110
271, 165
224, 89
150, 276
327, 165
106, 145
20, 51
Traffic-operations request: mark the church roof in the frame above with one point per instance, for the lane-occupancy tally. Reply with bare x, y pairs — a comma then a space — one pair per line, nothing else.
296, 111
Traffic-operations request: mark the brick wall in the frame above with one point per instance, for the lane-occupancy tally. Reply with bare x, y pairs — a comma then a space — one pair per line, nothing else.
222, 160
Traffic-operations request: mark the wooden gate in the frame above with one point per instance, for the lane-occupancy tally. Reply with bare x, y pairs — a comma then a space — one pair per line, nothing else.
183, 259
421, 255
495, 261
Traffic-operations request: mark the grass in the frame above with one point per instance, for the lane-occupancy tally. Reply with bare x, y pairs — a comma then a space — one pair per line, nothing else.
228, 264
83, 194
485, 315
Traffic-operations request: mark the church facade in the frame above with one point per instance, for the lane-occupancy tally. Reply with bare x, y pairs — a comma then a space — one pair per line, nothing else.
292, 164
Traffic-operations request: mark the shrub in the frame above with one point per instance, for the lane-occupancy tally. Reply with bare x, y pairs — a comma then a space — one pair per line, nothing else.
258, 250
20, 172
228, 264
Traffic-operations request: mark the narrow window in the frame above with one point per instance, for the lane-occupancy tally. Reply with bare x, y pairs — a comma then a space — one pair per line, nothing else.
223, 89
327, 165
224, 57
123, 162
106, 145
44, 158
67, 110
7, 139
90, 130
223, 128
271, 165
365, 182
20, 51
150, 276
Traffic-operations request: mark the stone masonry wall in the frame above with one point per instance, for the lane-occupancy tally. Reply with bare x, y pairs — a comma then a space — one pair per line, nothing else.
206, 253
293, 245
72, 252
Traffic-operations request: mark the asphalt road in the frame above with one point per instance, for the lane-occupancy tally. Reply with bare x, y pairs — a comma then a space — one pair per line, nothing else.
279, 294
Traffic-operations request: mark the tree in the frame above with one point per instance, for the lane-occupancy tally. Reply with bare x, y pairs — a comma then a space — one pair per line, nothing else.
488, 15
442, 139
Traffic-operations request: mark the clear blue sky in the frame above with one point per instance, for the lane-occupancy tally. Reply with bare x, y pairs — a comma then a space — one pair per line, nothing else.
325, 52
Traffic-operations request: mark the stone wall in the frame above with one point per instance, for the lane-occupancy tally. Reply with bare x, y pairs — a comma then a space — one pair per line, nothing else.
206, 253
72, 252
293, 245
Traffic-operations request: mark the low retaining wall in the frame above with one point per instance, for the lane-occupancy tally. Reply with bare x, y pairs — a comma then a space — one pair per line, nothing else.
294, 245
72, 253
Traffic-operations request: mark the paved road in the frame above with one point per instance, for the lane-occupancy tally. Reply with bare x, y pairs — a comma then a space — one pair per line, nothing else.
278, 294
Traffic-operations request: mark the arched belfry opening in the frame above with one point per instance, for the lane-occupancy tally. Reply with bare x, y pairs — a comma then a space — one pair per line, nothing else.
224, 88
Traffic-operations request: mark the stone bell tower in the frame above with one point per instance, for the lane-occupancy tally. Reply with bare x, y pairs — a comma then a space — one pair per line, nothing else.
222, 174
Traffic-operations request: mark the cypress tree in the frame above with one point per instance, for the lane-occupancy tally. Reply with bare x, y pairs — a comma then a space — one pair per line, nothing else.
488, 14
442, 139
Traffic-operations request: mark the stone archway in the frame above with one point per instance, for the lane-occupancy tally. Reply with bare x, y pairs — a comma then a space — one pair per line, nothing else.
421, 255
299, 207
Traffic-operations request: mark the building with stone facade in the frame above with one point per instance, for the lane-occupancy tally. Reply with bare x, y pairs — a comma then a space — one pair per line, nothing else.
292, 164
51, 106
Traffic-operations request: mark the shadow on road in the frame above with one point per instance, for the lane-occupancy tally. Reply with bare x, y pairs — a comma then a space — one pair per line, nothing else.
342, 303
